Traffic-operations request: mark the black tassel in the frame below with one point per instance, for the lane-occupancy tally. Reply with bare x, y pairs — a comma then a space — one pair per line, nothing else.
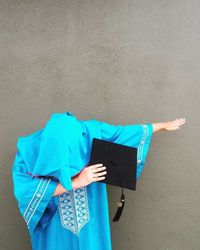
120, 205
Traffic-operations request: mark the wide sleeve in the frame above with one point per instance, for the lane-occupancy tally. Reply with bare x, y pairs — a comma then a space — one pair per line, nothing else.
34, 196
135, 135
52, 151
53, 159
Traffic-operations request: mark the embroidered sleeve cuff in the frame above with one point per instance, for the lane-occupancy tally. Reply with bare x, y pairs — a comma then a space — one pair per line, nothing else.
143, 147
39, 202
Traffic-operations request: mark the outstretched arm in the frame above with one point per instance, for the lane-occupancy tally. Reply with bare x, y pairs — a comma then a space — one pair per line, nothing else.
168, 125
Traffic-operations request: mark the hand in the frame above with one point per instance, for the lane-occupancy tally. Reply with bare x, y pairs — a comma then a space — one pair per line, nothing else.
89, 174
173, 125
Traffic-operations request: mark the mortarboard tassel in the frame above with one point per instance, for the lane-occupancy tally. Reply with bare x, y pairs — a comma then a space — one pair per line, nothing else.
120, 205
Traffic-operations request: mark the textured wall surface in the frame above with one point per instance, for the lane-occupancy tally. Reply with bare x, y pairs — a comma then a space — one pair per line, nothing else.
123, 62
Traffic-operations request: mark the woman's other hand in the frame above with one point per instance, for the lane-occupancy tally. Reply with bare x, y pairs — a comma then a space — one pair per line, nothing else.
89, 174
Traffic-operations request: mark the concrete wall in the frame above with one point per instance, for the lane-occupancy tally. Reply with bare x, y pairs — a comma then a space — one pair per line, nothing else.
123, 62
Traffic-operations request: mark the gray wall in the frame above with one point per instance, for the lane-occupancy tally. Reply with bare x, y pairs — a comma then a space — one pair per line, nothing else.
123, 62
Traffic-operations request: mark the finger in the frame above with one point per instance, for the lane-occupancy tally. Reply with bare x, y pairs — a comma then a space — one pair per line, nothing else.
182, 119
99, 169
100, 174
96, 165
100, 178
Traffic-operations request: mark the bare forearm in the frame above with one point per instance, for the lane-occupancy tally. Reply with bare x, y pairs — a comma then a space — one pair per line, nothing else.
158, 126
86, 176
60, 189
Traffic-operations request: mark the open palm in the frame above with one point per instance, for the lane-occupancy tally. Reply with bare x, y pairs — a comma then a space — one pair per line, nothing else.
173, 125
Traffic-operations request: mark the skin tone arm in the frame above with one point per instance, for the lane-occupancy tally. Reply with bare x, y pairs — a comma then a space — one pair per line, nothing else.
168, 125
86, 176
60, 189
90, 173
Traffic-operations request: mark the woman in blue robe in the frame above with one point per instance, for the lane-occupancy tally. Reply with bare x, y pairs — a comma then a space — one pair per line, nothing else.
60, 212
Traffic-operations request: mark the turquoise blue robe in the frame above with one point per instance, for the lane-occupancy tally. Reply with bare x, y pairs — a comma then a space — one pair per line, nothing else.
79, 218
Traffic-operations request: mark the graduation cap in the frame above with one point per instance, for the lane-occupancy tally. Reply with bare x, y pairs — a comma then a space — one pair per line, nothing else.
121, 166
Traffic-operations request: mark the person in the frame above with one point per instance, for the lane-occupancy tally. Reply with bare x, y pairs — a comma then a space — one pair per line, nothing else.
71, 212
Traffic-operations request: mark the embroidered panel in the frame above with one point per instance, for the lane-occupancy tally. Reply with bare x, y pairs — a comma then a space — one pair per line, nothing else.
74, 209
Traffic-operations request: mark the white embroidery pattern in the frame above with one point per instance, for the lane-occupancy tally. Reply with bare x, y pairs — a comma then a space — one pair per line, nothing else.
73, 209
36, 199
142, 143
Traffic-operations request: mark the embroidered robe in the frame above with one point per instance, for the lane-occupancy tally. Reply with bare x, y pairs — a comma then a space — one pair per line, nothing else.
79, 218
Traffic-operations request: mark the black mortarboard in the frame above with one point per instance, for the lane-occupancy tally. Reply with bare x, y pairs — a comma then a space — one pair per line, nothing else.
121, 166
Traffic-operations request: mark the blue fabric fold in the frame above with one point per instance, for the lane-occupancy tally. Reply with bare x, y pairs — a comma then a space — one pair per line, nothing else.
33, 194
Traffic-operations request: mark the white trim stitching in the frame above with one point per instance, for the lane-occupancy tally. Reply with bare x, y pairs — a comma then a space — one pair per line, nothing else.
36, 199
32, 198
142, 143
39, 200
